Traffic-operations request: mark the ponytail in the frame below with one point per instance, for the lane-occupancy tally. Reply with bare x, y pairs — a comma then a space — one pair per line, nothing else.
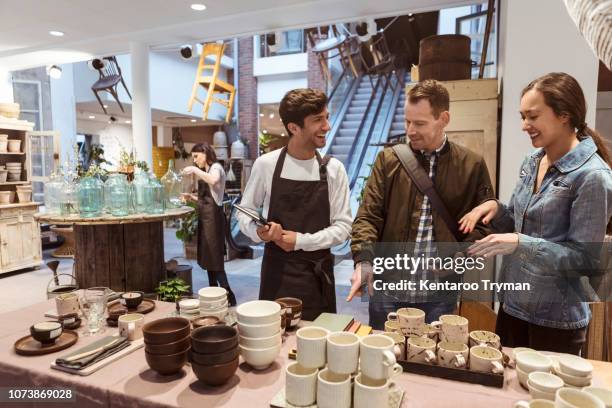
602, 149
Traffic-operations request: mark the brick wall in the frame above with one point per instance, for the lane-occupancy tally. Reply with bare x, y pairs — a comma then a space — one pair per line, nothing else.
315, 75
247, 95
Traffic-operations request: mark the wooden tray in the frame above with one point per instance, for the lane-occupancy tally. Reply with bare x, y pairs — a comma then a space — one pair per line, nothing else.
146, 306
27, 346
450, 373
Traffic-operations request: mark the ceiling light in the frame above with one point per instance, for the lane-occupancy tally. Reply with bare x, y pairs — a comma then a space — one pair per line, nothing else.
198, 7
56, 33
193, 121
91, 117
128, 121
261, 115
271, 116
265, 132
54, 71
186, 51
283, 134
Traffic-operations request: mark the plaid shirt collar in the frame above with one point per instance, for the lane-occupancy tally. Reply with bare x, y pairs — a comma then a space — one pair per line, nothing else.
438, 150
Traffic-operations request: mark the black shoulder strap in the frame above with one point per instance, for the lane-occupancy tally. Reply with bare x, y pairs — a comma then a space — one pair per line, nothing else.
425, 185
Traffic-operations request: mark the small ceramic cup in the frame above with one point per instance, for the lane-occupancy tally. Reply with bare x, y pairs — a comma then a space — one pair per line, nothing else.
130, 325
452, 328
486, 359
67, 303
333, 389
400, 344
342, 352
300, 384
571, 398
311, 346
371, 392
453, 354
536, 403
392, 326
421, 350
604, 394
484, 338
377, 359
410, 320
46, 332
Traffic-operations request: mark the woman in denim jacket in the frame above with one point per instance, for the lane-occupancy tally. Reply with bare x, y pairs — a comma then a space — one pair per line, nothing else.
555, 222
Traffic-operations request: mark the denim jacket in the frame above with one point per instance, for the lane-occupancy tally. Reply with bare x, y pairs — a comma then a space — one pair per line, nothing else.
561, 229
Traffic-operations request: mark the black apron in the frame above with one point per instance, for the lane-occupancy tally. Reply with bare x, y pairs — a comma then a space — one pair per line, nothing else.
211, 230
300, 206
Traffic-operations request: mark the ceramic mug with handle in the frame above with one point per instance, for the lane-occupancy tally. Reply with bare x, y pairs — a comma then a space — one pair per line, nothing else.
377, 357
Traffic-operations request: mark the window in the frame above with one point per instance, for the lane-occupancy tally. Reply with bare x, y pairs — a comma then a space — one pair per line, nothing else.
473, 25
291, 42
28, 95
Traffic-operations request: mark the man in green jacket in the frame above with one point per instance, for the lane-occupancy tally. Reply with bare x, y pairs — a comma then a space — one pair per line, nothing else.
393, 210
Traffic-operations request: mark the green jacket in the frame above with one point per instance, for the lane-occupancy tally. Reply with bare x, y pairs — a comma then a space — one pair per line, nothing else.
391, 203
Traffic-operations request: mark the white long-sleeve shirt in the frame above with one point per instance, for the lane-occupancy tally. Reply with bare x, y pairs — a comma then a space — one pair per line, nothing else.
257, 196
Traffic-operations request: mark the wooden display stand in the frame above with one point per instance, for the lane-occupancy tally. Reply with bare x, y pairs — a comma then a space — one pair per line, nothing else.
20, 244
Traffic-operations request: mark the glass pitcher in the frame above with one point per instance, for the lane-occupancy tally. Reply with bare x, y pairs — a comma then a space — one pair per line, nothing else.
173, 185
90, 196
156, 195
117, 194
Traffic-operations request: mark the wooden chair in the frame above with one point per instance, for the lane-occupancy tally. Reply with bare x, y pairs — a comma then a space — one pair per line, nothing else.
110, 77
337, 44
212, 84
377, 59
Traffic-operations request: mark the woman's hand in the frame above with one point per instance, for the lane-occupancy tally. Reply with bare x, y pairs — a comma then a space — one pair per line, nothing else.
485, 211
186, 197
495, 244
190, 170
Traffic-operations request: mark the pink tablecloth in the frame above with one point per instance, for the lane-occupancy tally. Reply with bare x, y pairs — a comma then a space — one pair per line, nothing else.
129, 382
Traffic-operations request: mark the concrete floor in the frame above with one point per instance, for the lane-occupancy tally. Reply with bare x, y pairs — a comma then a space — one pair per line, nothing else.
23, 288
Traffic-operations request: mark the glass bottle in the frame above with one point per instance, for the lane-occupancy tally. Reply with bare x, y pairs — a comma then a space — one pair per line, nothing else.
68, 197
117, 194
173, 186
53, 188
156, 196
141, 197
90, 196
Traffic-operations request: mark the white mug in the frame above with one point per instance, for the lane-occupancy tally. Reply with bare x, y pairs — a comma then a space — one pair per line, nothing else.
67, 303
342, 352
333, 389
300, 384
410, 319
311, 346
400, 344
484, 338
486, 359
571, 398
453, 354
421, 350
130, 325
452, 328
377, 357
371, 393
536, 403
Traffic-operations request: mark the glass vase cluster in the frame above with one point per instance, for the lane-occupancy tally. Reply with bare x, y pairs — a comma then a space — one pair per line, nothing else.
90, 193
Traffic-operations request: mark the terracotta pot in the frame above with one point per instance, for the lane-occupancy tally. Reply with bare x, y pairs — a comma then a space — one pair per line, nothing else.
14, 146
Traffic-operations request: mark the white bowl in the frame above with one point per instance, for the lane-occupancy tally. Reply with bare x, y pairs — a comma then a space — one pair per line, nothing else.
604, 394
530, 361
536, 393
212, 293
572, 379
522, 377
260, 359
517, 350
189, 304
545, 382
218, 314
213, 304
259, 330
574, 365
567, 397
258, 312
260, 343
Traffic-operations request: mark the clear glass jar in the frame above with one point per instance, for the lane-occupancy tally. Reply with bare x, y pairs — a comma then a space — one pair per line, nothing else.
53, 188
90, 196
68, 197
117, 194
173, 185
141, 197
156, 194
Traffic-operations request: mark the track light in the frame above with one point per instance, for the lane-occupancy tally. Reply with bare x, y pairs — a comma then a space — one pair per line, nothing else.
96, 64
186, 51
54, 71
366, 29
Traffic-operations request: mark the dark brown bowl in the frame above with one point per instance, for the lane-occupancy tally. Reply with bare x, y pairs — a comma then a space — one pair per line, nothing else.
292, 303
167, 364
166, 330
214, 339
216, 358
131, 299
46, 335
216, 374
205, 321
169, 348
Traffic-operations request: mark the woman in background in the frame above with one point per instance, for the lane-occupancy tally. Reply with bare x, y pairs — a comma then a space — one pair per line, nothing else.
211, 218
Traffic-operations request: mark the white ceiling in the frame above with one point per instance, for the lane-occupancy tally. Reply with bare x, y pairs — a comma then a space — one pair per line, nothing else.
106, 27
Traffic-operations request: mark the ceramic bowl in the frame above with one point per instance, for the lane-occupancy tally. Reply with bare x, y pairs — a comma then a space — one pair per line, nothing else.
545, 382
219, 314
538, 394
46, 332
522, 377
189, 304
260, 359
70, 321
213, 304
212, 293
5, 197
166, 330
131, 300
293, 305
572, 379
258, 312
259, 343
604, 394
574, 365
205, 321
169, 348
14, 146
214, 339
215, 374
567, 397
166, 364
259, 330
215, 358
530, 361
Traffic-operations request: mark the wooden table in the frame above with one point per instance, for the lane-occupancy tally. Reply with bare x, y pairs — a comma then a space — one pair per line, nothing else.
129, 382
122, 253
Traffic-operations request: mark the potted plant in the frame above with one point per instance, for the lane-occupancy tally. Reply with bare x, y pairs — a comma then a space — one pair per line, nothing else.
171, 290
187, 231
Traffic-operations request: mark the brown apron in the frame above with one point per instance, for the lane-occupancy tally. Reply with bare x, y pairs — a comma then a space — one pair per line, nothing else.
211, 230
300, 206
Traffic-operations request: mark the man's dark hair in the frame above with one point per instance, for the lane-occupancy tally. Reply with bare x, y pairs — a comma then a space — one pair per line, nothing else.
299, 103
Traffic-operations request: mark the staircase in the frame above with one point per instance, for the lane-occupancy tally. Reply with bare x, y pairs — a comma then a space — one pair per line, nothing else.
349, 127
398, 126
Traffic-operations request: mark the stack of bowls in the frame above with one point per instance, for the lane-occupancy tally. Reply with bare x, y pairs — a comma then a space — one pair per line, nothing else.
293, 313
189, 307
167, 344
213, 302
259, 325
14, 171
543, 385
3, 143
214, 353
528, 362
574, 371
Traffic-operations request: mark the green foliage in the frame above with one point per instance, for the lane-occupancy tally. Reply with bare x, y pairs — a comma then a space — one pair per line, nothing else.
172, 289
363, 184
188, 226
264, 142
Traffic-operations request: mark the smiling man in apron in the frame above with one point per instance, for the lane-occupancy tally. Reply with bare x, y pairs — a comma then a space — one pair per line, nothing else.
305, 199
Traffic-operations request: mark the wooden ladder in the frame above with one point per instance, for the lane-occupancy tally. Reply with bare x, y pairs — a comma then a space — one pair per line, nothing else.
212, 84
